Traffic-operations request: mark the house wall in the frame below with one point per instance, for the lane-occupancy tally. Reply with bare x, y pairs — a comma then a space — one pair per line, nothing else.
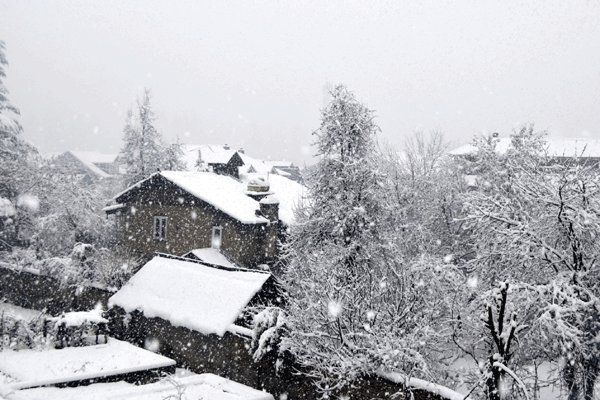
189, 226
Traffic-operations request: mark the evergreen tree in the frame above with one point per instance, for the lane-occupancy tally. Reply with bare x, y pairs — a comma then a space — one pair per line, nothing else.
349, 294
18, 162
144, 151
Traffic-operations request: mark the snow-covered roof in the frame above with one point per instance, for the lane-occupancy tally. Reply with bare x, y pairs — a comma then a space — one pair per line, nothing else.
223, 192
88, 158
193, 386
212, 256
94, 157
6, 208
289, 193
189, 294
32, 368
279, 163
217, 154
281, 172
229, 195
113, 207
574, 147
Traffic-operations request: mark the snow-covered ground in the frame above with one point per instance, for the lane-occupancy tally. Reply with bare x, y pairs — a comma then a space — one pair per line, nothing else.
31, 368
183, 385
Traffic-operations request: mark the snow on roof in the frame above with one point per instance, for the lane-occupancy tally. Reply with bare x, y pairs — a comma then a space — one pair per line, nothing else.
289, 193
6, 208
190, 294
113, 207
270, 199
223, 192
282, 172
33, 368
95, 157
88, 158
219, 155
193, 386
228, 194
279, 163
212, 256
574, 147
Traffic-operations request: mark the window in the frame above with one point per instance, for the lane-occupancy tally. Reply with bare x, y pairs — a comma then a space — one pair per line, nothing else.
160, 228
216, 237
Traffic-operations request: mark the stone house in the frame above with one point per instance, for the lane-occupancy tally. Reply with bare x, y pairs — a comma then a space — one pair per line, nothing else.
177, 212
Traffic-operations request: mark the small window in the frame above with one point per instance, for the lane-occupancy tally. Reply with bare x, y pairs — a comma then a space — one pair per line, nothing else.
160, 228
216, 237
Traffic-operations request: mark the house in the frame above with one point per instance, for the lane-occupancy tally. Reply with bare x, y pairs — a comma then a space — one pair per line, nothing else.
561, 151
224, 160
92, 163
586, 151
178, 212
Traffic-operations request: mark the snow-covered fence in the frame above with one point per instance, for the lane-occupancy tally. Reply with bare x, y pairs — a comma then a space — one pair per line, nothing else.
38, 292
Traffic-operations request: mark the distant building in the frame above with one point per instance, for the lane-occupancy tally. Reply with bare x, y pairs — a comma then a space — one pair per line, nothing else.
561, 151
557, 150
222, 159
91, 163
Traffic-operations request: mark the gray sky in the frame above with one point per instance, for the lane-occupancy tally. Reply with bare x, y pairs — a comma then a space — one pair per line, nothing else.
251, 73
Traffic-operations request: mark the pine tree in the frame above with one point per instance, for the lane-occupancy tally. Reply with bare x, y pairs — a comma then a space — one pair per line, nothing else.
348, 294
144, 150
15, 153
18, 162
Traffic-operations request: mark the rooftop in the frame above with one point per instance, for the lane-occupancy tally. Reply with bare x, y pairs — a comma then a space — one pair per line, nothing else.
573, 147
189, 294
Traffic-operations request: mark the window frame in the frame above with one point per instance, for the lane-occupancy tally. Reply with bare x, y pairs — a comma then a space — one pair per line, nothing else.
216, 228
160, 227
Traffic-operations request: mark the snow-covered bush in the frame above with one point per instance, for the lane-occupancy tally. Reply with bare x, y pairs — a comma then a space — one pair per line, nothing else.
17, 333
268, 328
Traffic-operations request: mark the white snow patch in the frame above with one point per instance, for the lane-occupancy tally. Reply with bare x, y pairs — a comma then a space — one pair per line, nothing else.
189, 294
6, 208
29, 202
212, 256
189, 386
423, 384
37, 368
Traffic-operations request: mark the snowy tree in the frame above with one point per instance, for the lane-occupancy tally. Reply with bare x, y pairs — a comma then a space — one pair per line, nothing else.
424, 189
18, 162
353, 308
144, 151
536, 222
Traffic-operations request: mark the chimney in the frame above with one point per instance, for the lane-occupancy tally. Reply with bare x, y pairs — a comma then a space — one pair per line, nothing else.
269, 208
225, 146
258, 189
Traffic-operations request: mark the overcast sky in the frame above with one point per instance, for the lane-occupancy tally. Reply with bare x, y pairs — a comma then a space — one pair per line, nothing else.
252, 73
